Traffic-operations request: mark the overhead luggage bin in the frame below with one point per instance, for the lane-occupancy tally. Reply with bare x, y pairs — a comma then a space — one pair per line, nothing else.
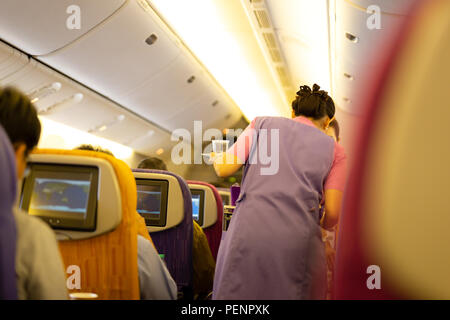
11, 60
41, 27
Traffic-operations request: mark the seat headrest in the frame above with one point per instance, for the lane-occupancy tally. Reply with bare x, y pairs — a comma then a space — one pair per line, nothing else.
77, 192
160, 199
207, 206
225, 194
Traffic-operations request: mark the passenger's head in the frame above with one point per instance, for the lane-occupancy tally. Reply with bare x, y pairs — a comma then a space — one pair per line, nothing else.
152, 163
315, 104
90, 147
334, 130
19, 118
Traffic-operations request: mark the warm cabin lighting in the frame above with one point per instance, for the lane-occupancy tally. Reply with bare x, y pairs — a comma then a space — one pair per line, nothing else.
160, 151
60, 136
204, 29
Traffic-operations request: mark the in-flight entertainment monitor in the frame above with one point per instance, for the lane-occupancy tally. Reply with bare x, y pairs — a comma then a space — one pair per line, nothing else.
64, 196
152, 196
198, 205
226, 201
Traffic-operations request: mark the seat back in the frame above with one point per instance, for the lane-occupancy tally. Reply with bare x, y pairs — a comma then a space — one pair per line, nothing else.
102, 189
225, 194
8, 286
213, 214
173, 237
393, 238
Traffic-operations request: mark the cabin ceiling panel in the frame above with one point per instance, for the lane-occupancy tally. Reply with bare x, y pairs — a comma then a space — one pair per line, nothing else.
302, 30
115, 58
359, 50
40, 27
10, 61
387, 6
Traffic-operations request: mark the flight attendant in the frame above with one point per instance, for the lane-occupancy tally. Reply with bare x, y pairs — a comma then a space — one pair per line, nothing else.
273, 248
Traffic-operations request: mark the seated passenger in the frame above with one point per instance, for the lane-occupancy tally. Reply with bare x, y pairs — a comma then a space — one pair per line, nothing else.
39, 268
90, 147
152, 163
155, 281
203, 261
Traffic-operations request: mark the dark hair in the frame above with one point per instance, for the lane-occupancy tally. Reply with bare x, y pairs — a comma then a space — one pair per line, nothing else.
335, 125
89, 147
152, 163
313, 103
19, 118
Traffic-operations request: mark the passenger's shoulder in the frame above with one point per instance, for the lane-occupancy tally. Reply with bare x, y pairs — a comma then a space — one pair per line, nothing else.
32, 226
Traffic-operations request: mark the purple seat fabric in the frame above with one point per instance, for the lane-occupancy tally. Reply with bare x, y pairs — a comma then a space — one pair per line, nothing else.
214, 232
176, 243
8, 287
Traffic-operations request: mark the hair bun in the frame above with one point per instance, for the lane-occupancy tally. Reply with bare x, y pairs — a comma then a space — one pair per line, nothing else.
321, 93
316, 87
304, 91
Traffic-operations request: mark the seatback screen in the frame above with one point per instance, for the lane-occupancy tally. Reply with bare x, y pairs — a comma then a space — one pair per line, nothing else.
61, 195
195, 206
225, 199
152, 196
198, 204
65, 196
149, 201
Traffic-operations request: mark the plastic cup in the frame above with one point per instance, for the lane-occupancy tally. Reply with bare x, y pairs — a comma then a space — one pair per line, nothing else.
219, 146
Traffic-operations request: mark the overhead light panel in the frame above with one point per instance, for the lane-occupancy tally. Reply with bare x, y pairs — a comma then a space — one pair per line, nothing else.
103, 126
70, 101
44, 91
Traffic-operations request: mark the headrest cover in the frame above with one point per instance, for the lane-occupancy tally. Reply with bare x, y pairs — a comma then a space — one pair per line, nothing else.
175, 202
176, 243
214, 232
108, 262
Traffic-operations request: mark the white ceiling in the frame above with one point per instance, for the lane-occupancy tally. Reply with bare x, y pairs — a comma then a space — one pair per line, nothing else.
302, 29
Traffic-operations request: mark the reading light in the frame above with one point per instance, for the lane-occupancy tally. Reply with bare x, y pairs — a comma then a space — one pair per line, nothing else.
191, 79
349, 76
152, 39
351, 37
160, 151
